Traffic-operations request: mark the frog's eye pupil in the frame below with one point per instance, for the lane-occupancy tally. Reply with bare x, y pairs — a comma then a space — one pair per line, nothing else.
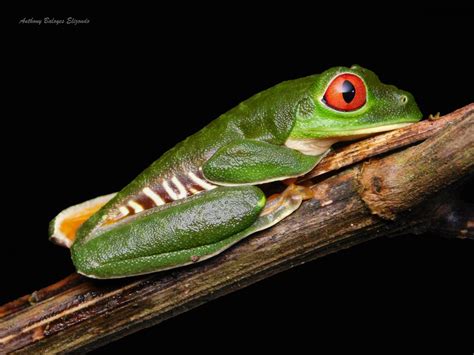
348, 91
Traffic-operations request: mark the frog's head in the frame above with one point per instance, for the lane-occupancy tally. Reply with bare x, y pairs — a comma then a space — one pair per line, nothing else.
347, 103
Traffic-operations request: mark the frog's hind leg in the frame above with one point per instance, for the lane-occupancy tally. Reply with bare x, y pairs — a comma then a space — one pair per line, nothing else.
184, 232
177, 234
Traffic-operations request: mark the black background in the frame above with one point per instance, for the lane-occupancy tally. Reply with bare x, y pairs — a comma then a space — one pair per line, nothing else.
93, 105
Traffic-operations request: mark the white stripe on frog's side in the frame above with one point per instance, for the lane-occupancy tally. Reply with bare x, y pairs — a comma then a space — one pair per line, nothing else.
182, 191
137, 208
124, 211
152, 195
194, 191
201, 182
173, 195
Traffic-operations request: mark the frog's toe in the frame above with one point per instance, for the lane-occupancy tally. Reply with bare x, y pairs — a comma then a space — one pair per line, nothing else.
434, 117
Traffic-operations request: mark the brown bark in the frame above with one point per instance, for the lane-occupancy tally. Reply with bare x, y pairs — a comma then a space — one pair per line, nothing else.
398, 193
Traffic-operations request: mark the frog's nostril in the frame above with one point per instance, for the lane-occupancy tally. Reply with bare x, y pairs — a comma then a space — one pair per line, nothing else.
403, 99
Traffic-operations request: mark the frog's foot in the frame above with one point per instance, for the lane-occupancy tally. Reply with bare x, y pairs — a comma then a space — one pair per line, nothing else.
281, 205
63, 228
435, 117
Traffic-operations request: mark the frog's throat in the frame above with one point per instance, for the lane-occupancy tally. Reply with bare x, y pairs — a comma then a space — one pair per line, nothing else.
317, 146
310, 146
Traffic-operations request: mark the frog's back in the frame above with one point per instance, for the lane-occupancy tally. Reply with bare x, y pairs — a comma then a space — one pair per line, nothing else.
267, 116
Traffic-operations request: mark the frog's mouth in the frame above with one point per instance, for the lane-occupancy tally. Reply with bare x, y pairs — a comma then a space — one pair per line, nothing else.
317, 146
364, 132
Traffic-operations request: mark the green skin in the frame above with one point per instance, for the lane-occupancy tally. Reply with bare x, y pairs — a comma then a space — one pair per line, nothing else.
250, 150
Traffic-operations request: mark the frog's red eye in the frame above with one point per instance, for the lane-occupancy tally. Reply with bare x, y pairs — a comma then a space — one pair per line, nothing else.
346, 92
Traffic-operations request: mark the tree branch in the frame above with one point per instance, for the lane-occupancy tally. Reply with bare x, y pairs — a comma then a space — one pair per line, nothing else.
398, 193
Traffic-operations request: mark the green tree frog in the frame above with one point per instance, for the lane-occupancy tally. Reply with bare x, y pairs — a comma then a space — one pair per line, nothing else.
203, 195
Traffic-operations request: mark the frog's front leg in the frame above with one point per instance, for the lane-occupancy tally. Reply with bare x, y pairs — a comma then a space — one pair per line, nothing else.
254, 162
173, 235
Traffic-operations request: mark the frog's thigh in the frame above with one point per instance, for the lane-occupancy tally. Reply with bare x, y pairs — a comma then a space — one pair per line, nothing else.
190, 231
